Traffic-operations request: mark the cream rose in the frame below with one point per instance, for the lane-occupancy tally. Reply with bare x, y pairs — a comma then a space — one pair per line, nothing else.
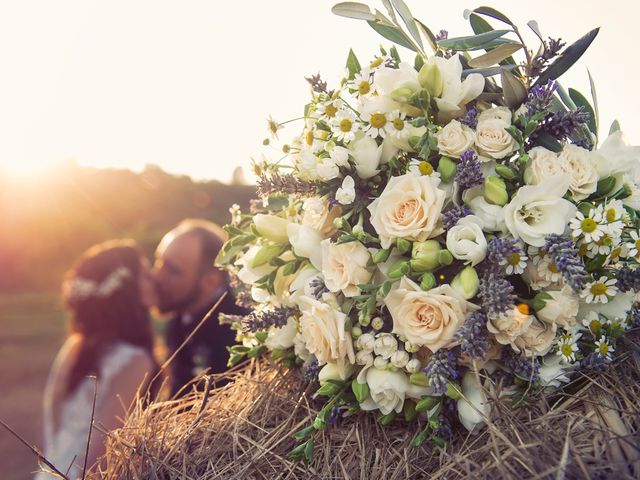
324, 331
493, 140
578, 163
507, 327
427, 318
539, 210
317, 214
344, 266
542, 165
387, 389
409, 207
537, 339
560, 307
496, 113
455, 139
282, 338
466, 241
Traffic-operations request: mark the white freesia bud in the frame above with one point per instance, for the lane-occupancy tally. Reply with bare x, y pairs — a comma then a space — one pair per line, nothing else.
366, 156
364, 358
413, 365
272, 227
473, 408
346, 194
399, 359
380, 363
340, 155
365, 342
411, 347
306, 243
456, 93
385, 345
356, 331
466, 240
334, 371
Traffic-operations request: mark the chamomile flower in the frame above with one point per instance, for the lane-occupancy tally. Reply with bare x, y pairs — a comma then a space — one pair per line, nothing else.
549, 270
381, 61
328, 110
344, 126
604, 348
362, 83
236, 214
613, 211
515, 263
378, 124
593, 322
600, 291
399, 127
603, 246
587, 227
633, 247
568, 347
273, 126
536, 254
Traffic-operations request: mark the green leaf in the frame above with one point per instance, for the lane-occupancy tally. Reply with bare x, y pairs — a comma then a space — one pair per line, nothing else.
569, 56
473, 41
308, 451
409, 410
392, 33
515, 133
255, 352
408, 20
360, 390
418, 63
547, 141
581, 101
302, 434
487, 72
353, 65
615, 127
564, 96
493, 13
596, 109
426, 404
385, 420
356, 10
428, 35
492, 57
515, 93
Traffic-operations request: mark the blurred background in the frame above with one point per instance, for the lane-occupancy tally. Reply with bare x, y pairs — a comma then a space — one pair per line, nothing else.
121, 118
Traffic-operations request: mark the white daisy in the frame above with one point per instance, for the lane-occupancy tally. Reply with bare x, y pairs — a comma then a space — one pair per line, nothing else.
536, 254
604, 348
549, 271
345, 125
633, 247
362, 83
613, 211
603, 246
328, 110
588, 227
378, 124
600, 291
399, 127
516, 263
593, 322
568, 347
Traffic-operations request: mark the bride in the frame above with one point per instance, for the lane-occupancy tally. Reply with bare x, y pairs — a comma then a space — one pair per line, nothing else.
109, 292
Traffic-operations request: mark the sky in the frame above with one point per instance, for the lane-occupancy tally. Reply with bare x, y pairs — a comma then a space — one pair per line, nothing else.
188, 84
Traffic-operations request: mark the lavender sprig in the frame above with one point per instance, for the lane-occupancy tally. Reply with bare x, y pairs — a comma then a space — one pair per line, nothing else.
474, 336
469, 171
628, 280
442, 368
527, 368
261, 320
564, 254
540, 98
285, 185
470, 119
451, 216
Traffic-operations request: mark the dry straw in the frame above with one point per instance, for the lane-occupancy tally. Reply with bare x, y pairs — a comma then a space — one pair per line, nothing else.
243, 431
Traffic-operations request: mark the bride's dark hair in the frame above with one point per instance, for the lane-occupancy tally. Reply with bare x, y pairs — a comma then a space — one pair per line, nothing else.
102, 291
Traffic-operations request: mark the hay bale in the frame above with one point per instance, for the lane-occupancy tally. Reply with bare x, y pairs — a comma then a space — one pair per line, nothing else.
243, 431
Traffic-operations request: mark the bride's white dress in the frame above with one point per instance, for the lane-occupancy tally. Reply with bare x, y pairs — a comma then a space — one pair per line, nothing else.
65, 445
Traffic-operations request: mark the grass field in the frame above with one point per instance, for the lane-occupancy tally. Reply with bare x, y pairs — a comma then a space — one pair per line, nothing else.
31, 331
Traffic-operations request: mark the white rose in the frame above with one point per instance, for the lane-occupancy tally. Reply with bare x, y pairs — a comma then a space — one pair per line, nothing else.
539, 210
387, 390
272, 227
366, 156
578, 163
536, 340
282, 338
499, 113
344, 266
616, 157
305, 242
427, 318
543, 164
324, 332
491, 216
346, 194
455, 139
473, 407
409, 207
385, 345
456, 93
560, 308
319, 215
507, 327
466, 241
334, 371
399, 359
493, 140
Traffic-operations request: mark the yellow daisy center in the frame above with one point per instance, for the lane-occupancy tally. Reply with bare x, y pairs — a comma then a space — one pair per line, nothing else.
595, 325
611, 215
567, 350
364, 87
376, 63
605, 240
553, 268
588, 225
582, 251
598, 288
615, 253
346, 125
603, 348
398, 123
637, 244
330, 110
309, 137
378, 120
514, 259
425, 168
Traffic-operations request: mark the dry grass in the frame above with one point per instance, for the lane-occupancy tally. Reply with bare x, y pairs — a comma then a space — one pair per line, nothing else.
243, 431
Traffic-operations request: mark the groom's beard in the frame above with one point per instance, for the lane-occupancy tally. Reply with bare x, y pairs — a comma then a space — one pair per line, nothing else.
181, 305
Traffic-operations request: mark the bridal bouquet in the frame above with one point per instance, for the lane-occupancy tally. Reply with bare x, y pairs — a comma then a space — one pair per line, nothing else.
447, 229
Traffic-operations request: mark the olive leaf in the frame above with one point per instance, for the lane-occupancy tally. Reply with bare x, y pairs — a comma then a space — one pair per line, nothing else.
495, 56
356, 10
408, 20
472, 41
594, 97
567, 58
514, 91
392, 33
489, 12
580, 101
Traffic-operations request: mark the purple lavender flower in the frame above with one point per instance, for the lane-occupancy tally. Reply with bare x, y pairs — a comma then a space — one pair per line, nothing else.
635, 317
474, 336
527, 368
442, 368
564, 254
451, 216
317, 288
469, 171
628, 280
442, 35
470, 119
540, 98
310, 371
500, 249
261, 320
594, 362
496, 293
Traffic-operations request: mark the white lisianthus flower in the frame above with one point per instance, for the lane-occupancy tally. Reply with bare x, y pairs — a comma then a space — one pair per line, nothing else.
272, 227
553, 372
427, 318
282, 338
335, 371
398, 83
466, 240
409, 207
387, 390
324, 330
560, 308
616, 157
248, 273
366, 156
493, 140
305, 242
385, 345
578, 163
491, 216
543, 164
539, 210
455, 139
346, 194
344, 266
456, 93
473, 407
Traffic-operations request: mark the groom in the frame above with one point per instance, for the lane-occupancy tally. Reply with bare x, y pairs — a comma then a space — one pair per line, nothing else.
188, 286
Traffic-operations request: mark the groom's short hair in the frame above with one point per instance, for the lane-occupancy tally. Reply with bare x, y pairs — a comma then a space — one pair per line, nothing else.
210, 236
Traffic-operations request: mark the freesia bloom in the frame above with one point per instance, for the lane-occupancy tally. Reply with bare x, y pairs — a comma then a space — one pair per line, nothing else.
344, 266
